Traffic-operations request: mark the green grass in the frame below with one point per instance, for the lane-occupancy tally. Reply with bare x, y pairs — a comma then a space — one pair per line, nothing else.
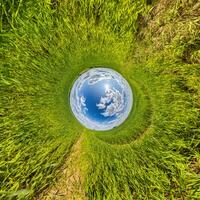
45, 45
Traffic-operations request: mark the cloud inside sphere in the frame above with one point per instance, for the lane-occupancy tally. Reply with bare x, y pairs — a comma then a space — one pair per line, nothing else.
101, 99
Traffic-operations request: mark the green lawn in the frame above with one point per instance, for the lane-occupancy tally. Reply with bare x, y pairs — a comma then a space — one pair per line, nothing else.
155, 45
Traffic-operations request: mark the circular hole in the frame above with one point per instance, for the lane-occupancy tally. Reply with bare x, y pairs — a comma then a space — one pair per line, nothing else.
101, 99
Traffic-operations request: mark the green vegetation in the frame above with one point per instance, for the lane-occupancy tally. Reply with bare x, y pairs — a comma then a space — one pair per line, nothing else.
154, 44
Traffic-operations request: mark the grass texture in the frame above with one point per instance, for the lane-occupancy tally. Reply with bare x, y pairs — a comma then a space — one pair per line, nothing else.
155, 45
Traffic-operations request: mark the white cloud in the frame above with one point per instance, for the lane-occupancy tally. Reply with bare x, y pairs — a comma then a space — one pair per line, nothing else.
115, 100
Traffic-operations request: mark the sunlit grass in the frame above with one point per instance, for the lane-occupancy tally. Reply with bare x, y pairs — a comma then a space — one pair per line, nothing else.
45, 45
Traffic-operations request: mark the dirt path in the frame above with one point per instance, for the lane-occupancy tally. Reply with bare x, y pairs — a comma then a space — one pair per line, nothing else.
69, 185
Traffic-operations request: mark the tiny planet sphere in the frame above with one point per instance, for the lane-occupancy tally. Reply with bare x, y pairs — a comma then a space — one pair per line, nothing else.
101, 99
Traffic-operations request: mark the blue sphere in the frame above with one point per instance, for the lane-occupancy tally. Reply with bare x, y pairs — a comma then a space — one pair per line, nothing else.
101, 99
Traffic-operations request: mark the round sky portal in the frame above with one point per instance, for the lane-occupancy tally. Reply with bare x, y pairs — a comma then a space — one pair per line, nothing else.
101, 99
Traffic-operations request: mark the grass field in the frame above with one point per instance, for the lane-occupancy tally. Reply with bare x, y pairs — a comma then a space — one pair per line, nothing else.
46, 44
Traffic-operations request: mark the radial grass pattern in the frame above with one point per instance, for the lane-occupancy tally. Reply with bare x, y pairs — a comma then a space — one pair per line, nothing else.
45, 45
